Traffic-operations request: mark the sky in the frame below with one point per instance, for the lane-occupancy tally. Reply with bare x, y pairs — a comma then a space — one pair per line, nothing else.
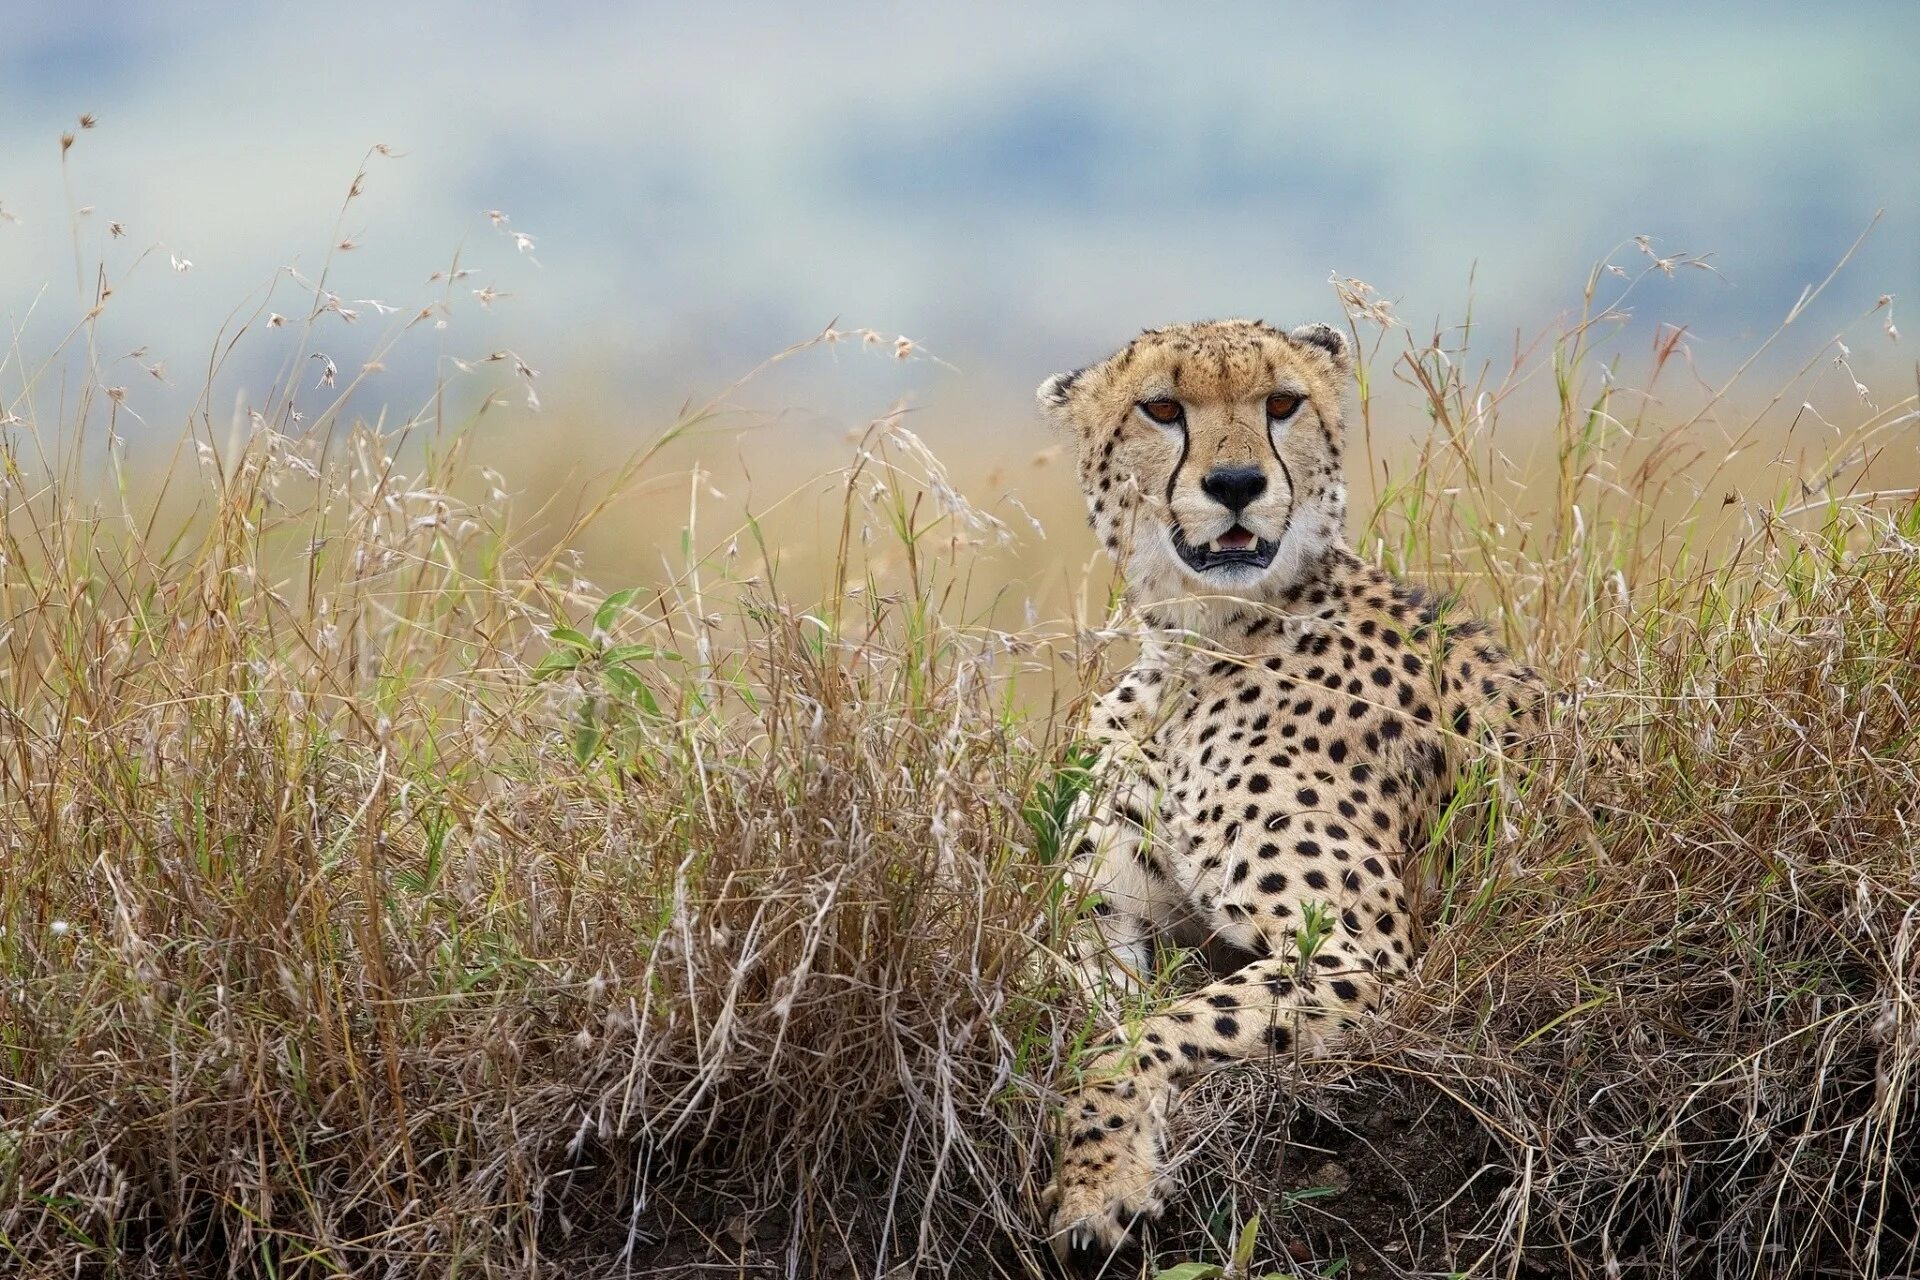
1016, 187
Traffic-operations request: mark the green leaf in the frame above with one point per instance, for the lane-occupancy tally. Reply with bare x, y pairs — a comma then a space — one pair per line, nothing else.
633, 652
555, 663
1190, 1271
586, 743
625, 681
1243, 1248
612, 605
568, 636
647, 704
1050, 809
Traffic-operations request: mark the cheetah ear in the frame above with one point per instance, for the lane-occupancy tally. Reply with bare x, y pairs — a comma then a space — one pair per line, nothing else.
1329, 340
1054, 393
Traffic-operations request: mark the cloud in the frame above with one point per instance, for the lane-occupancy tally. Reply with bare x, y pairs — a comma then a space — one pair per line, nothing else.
991, 178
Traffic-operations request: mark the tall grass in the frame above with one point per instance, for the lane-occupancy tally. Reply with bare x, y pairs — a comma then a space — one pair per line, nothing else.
379, 897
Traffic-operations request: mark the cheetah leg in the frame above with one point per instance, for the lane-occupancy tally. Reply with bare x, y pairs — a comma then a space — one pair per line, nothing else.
1111, 1169
1132, 905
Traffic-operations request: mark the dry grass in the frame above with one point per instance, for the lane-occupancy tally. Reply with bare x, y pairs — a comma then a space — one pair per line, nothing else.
377, 897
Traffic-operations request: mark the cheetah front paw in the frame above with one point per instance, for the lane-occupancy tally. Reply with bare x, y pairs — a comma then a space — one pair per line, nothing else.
1096, 1203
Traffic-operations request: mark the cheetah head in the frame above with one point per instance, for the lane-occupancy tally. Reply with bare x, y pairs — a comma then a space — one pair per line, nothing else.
1210, 455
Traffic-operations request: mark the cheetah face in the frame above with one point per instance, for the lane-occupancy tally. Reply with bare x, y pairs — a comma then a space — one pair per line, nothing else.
1210, 455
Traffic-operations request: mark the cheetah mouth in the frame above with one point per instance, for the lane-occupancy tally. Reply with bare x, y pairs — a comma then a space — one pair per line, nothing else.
1237, 548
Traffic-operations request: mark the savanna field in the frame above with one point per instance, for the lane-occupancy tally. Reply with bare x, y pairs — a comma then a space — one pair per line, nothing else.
385, 892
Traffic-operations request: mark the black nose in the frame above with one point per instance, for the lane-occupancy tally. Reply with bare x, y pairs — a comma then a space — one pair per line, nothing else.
1234, 487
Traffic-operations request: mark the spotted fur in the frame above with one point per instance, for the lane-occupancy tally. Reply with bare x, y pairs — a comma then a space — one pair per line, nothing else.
1286, 738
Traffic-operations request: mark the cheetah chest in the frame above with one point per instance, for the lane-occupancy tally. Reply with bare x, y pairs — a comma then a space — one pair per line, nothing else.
1295, 778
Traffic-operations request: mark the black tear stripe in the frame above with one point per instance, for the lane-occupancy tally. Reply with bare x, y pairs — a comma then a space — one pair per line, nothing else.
1178, 463
1293, 491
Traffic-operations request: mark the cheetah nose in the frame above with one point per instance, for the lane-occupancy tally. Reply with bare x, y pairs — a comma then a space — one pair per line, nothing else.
1234, 487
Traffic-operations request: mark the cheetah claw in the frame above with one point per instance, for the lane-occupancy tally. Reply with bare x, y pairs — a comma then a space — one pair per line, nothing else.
1091, 1223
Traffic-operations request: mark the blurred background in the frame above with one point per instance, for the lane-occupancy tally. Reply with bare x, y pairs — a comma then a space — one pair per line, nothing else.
1014, 188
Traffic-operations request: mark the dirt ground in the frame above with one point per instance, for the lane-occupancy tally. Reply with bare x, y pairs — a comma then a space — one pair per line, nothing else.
1387, 1187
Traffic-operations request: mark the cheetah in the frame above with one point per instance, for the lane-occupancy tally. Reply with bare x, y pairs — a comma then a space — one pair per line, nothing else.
1280, 750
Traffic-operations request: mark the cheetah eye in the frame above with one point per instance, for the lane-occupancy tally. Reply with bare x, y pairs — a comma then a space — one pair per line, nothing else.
1164, 412
1281, 407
